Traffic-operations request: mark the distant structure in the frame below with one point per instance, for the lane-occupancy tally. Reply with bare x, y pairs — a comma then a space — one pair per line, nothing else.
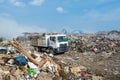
64, 31
114, 32
77, 31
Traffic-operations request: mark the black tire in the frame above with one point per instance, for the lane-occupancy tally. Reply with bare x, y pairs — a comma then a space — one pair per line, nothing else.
36, 48
51, 50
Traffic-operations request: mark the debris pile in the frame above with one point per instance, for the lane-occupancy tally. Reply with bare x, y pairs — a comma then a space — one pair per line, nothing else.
34, 66
99, 53
90, 57
96, 44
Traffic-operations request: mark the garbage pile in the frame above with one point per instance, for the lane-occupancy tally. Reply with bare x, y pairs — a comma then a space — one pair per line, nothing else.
20, 65
100, 54
90, 57
96, 44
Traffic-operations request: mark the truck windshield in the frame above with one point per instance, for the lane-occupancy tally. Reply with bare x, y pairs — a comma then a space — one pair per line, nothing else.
62, 38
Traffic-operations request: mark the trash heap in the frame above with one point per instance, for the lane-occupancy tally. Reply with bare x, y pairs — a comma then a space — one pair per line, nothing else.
20, 65
90, 57
99, 53
96, 44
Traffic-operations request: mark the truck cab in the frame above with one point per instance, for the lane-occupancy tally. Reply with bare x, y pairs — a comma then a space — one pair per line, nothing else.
58, 42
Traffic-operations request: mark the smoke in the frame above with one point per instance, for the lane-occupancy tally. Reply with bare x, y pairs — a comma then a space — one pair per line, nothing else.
10, 28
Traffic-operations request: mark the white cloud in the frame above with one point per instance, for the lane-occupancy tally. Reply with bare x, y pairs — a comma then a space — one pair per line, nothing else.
37, 2
60, 9
17, 3
10, 28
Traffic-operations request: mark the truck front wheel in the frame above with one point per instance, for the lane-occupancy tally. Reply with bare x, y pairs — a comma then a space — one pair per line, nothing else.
51, 50
36, 48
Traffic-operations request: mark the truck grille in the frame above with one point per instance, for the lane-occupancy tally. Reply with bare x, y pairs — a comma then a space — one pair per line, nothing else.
63, 48
63, 45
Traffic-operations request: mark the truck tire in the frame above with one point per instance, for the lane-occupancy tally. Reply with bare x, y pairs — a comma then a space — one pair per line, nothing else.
51, 50
36, 48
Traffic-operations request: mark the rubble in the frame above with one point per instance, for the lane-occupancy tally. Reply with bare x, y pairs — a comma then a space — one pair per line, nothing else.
75, 70
31, 65
91, 45
97, 77
90, 57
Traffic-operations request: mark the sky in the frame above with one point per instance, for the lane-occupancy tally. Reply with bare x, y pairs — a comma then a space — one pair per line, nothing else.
18, 16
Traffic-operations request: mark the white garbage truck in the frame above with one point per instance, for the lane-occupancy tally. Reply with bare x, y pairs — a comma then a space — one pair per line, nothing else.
51, 43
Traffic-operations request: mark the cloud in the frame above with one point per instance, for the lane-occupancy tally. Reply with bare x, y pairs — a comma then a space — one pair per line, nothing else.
17, 3
60, 9
37, 2
10, 28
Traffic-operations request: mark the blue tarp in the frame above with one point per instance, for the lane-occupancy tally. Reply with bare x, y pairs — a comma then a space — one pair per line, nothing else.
21, 60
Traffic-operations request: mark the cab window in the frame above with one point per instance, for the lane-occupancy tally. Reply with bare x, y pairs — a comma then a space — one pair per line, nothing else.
52, 39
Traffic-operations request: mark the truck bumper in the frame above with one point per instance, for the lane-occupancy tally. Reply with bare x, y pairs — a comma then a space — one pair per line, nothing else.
61, 49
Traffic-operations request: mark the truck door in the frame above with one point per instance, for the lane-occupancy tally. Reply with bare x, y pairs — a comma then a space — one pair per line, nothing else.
52, 41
